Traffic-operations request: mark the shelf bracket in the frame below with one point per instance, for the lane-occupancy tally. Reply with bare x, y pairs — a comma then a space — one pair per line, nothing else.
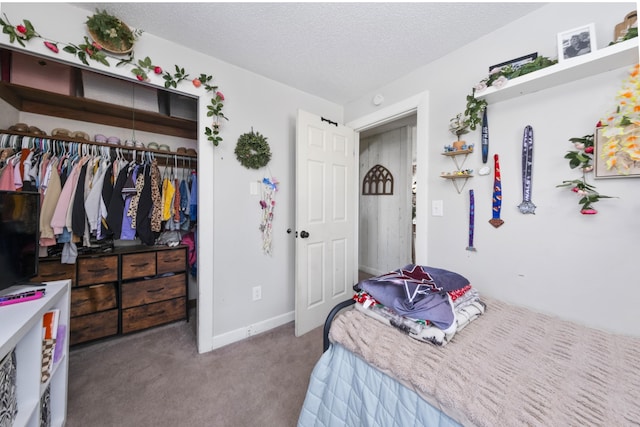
458, 187
455, 160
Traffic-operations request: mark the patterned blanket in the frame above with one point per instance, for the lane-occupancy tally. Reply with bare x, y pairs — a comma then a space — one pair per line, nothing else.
511, 367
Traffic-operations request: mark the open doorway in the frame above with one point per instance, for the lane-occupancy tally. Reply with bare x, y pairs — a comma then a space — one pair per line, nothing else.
387, 190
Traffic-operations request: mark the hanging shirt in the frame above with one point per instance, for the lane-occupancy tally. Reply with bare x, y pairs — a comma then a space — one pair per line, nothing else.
168, 192
193, 212
49, 202
127, 232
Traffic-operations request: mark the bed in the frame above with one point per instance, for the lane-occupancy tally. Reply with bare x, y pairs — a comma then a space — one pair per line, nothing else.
507, 366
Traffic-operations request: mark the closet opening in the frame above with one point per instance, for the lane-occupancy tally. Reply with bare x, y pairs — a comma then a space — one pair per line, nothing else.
99, 126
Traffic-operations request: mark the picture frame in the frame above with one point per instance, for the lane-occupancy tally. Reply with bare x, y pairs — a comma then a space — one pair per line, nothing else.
517, 62
576, 42
627, 168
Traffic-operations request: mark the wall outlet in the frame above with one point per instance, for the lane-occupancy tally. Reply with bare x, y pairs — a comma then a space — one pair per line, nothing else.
257, 293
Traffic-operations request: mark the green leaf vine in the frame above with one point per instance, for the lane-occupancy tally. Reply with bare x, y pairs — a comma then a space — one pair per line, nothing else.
141, 68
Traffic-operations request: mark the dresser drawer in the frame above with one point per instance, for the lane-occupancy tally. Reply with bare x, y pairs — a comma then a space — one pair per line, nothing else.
92, 299
48, 271
153, 290
93, 326
172, 260
146, 316
138, 265
97, 270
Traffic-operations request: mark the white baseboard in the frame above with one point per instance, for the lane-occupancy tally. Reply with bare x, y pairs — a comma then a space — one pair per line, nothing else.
254, 329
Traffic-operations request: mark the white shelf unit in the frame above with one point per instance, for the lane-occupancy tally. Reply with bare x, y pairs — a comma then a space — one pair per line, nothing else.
600, 61
22, 329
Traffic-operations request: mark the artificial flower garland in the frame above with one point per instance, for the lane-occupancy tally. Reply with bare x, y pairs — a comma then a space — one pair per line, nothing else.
498, 77
252, 150
89, 50
621, 129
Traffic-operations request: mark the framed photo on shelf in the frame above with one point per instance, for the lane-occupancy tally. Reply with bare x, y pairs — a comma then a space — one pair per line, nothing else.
622, 163
518, 62
576, 42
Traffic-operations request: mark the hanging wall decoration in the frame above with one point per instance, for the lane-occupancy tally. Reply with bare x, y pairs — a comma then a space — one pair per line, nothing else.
111, 33
472, 216
497, 194
527, 206
252, 150
582, 158
268, 204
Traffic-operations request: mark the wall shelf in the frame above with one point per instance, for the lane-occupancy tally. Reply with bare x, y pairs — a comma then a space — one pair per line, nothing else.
454, 156
455, 179
459, 174
606, 59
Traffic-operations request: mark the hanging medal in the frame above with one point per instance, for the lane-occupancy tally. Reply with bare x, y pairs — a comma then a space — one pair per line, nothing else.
485, 170
527, 206
472, 213
497, 194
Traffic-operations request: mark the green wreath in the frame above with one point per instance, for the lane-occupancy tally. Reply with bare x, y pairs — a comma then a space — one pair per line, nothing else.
252, 150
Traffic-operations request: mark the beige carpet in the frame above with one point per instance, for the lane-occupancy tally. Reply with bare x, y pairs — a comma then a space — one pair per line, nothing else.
157, 378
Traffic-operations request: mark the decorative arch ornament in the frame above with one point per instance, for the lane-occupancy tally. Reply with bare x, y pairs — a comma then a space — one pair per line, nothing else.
378, 181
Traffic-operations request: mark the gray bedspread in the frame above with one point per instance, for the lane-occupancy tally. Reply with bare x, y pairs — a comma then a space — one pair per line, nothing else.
511, 367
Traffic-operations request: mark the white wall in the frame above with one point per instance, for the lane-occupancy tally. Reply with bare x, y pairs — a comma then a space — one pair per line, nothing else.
230, 260
557, 261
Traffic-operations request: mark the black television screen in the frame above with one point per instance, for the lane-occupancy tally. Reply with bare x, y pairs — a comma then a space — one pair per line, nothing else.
19, 236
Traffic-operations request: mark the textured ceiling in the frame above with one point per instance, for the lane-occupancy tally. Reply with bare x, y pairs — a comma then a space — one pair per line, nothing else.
337, 51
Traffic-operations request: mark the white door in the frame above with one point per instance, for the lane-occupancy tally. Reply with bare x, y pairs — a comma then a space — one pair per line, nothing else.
326, 220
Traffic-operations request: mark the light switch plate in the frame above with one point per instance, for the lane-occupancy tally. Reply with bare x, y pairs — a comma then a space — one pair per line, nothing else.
437, 208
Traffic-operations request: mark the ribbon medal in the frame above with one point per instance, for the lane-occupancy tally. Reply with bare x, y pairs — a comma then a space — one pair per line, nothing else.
527, 206
497, 195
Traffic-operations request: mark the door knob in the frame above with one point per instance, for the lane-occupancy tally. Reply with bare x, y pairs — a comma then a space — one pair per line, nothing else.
304, 234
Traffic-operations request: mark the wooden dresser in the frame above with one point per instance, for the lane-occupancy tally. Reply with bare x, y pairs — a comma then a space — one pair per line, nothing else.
123, 291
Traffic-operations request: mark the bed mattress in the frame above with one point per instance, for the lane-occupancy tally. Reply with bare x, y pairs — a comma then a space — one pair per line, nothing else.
512, 366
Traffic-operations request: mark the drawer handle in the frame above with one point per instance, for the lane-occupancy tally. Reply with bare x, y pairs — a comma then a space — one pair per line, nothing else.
98, 270
155, 290
81, 301
140, 265
172, 259
157, 313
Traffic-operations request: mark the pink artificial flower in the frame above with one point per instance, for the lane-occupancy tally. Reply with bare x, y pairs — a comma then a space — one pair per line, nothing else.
220, 95
480, 86
21, 29
575, 189
578, 145
157, 70
500, 81
140, 77
495, 70
590, 211
97, 45
52, 46
588, 150
196, 82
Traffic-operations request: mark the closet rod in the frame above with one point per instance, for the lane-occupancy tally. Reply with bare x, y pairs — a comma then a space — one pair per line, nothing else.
158, 153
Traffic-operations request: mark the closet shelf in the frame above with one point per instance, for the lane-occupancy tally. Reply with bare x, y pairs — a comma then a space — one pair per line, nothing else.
606, 59
37, 101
